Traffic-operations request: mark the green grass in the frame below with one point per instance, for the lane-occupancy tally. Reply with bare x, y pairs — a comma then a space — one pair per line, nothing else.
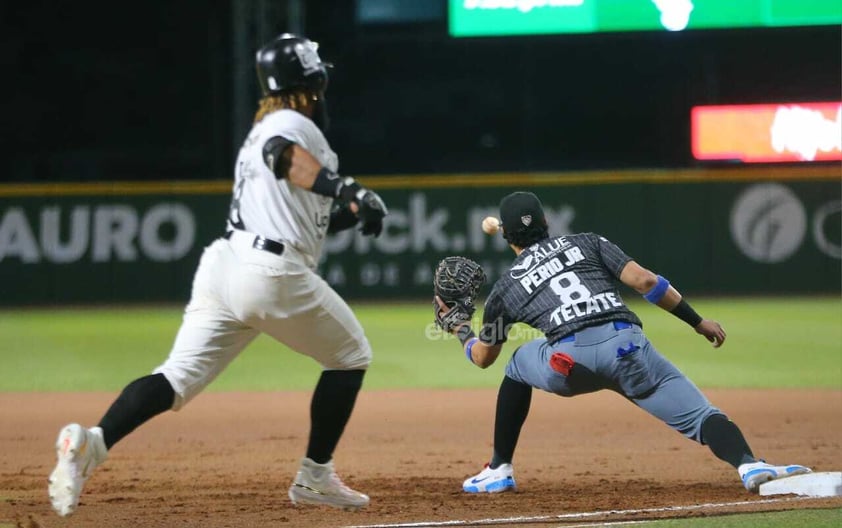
818, 518
772, 342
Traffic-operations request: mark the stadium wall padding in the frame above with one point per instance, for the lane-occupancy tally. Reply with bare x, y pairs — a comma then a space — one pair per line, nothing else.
728, 231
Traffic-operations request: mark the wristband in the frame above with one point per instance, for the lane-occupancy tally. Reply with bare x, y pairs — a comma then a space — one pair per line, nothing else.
658, 291
327, 183
686, 313
464, 333
469, 348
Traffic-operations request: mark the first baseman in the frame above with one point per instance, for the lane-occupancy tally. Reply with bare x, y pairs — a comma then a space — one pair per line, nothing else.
567, 287
260, 278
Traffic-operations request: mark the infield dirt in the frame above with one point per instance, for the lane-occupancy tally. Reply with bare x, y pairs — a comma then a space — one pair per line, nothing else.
227, 459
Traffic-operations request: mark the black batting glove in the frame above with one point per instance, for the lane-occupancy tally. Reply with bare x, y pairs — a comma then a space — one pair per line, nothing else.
370, 207
371, 212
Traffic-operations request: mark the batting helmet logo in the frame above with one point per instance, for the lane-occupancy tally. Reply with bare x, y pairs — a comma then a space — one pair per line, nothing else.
291, 62
308, 57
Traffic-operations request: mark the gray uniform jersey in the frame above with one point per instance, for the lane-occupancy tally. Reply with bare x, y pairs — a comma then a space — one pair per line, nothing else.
274, 208
567, 288
559, 286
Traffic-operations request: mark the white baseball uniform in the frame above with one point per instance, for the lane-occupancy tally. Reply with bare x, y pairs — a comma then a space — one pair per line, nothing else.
241, 290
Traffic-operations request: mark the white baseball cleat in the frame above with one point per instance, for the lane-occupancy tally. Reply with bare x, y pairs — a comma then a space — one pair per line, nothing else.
756, 473
491, 480
79, 451
319, 484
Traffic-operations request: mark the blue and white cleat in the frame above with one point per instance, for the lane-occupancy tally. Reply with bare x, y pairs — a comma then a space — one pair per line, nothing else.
491, 480
756, 473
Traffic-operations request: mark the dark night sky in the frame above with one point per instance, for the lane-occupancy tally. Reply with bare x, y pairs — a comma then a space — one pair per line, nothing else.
145, 93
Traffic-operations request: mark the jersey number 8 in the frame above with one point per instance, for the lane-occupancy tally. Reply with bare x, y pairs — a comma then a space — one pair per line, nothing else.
569, 288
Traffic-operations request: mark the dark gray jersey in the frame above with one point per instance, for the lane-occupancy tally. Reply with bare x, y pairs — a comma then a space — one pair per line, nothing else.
559, 285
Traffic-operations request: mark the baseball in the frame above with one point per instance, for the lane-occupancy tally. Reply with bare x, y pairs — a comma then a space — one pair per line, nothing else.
490, 225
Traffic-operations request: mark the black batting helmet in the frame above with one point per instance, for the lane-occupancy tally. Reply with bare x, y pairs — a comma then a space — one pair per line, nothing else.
291, 62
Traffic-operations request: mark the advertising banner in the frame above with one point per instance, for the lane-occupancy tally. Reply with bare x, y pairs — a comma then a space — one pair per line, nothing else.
716, 238
737, 235
768, 133
473, 18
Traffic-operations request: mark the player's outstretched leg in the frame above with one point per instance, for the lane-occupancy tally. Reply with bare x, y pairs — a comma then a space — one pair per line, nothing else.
727, 442
79, 451
319, 484
754, 474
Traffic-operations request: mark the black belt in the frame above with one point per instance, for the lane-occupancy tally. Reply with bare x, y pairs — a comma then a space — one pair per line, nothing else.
262, 243
618, 325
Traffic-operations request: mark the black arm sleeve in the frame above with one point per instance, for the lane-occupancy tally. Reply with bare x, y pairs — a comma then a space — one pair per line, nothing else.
686, 313
341, 218
274, 155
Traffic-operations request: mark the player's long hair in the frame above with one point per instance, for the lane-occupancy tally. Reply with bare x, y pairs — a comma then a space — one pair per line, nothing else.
298, 100
526, 237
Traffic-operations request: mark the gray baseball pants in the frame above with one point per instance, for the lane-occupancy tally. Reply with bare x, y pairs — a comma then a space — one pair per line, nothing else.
615, 356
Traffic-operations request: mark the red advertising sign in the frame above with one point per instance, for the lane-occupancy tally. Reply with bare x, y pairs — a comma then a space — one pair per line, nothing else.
768, 133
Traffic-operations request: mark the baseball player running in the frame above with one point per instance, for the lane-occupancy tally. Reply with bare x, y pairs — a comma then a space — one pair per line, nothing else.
567, 287
260, 277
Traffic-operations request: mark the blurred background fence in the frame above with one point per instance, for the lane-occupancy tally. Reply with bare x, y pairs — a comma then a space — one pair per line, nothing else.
121, 125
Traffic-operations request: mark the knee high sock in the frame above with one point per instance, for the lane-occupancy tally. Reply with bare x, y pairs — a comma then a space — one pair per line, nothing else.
513, 401
725, 439
141, 400
331, 406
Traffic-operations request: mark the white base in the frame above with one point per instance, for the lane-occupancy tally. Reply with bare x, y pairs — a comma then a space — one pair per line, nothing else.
810, 485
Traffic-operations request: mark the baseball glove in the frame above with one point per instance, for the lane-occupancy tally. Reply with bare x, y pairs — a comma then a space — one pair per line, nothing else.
456, 284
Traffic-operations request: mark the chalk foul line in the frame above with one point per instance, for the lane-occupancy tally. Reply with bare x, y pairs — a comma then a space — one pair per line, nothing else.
573, 516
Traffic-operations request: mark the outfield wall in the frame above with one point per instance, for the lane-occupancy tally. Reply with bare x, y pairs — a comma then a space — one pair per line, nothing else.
724, 231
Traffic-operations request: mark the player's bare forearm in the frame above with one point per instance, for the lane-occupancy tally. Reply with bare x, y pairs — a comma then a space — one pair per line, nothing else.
674, 303
306, 172
303, 167
658, 291
291, 162
483, 355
